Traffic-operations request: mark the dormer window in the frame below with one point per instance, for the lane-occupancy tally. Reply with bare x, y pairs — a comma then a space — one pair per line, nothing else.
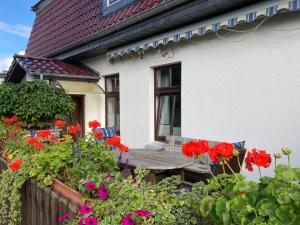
110, 6
111, 2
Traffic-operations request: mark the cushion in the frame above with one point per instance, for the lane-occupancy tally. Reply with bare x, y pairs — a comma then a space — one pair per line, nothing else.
155, 145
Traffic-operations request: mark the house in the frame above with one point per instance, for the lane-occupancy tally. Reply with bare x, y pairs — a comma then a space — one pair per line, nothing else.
211, 69
2, 76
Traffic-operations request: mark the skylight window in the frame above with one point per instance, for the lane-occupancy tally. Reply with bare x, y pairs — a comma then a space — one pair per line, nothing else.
110, 6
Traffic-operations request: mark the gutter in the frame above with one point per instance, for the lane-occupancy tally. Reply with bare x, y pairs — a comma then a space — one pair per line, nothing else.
65, 77
151, 12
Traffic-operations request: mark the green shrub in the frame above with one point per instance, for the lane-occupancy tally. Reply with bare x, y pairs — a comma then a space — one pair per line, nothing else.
36, 103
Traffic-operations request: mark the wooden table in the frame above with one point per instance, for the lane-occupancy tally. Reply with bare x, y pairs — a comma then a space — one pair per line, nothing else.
154, 160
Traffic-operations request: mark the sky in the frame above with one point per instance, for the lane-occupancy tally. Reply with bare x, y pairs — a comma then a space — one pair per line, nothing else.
16, 19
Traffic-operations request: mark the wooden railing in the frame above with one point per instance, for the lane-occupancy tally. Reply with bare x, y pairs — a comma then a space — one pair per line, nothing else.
42, 206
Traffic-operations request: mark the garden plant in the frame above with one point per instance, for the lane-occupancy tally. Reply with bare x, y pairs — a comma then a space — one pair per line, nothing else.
87, 165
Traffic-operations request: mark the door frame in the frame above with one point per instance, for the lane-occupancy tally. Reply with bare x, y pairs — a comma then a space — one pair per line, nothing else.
82, 98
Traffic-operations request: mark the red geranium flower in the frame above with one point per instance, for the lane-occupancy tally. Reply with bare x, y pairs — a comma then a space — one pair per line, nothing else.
113, 141
188, 149
201, 147
74, 129
44, 133
98, 135
32, 141
14, 118
122, 148
12, 134
20, 123
53, 139
38, 146
259, 158
16, 164
224, 149
8, 121
262, 159
94, 124
60, 123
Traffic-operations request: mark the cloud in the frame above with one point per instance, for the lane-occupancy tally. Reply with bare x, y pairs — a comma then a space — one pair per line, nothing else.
5, 62
19, 30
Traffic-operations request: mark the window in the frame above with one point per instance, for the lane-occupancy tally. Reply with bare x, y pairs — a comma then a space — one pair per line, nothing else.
111, 2
112, 102
110, 6
167, 101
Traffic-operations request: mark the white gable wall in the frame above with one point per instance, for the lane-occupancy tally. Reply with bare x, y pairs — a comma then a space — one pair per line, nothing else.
243, 90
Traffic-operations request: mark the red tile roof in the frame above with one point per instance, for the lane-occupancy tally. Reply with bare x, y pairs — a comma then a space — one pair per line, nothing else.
64, 23
51, 66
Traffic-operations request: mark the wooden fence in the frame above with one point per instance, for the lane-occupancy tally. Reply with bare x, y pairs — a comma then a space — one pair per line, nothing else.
42, 206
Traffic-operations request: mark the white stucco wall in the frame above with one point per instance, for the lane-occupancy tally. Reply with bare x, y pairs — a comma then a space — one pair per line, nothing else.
94, 100
244, 89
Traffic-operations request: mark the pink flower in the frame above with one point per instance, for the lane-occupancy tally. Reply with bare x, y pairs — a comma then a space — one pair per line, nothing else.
103, 193
64, 218
85, 209
90, 186
91, 221
128, 220
143, 213
81, 222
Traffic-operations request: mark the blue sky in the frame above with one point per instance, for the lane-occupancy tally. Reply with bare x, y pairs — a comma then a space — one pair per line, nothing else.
16, 20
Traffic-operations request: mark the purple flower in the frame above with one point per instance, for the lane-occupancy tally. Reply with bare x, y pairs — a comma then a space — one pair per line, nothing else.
91, 221
85, 209
128, 220
103, 193
144, 213
63, 218
90, 186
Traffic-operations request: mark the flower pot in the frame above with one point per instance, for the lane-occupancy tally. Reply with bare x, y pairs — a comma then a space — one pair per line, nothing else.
67, 192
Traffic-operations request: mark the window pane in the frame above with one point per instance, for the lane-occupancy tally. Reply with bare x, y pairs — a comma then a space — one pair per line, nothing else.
113, 113
112, 84
110, 2
164, 126
177, 116
176, 76
163, 78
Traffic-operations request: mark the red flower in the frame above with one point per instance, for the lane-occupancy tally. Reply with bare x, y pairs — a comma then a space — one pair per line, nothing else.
12, 134
32, 141
113, 141
20, 123
188, 149
74, 129
53, 139
213, 155
262, 159
60, 123
122, 148
38, 146
8, 121
98, 135
14, 118
259, 158
16, 165
201, 147
94, 124
44, 133
224, 149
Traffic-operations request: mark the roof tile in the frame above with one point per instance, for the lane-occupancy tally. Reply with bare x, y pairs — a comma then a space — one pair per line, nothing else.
64, 23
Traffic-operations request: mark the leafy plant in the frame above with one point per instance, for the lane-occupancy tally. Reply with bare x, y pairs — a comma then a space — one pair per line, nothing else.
229, 199
36, 103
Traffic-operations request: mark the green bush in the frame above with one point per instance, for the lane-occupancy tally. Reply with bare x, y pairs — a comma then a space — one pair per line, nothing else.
36, 103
